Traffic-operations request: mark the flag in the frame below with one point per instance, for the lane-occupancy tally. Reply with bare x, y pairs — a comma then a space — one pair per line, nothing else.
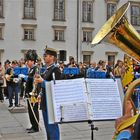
129, 73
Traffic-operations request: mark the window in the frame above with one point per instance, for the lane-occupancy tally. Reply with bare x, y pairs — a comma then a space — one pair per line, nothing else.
111, 60
138, 31
29, 31
1, 8
111, 9
1, 34
1, 52
59, 33
1, 30
29, 9
86, 59
29, 34
87, 36
135, 15
87, 14
59, 10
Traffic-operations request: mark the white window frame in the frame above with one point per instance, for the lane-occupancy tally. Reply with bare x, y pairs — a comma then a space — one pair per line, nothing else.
135, 15
59, 33
1, 8
28, 34
29, 9
2, 31
86, 59
87, 11
111, 54
59, 10
30, 28
87, 34
111, 9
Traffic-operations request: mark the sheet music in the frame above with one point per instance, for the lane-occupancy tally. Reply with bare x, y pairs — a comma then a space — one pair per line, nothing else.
84, 99
68, 92
75, 112
105, 96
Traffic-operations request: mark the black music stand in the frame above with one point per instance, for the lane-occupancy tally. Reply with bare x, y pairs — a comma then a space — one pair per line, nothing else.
92, 129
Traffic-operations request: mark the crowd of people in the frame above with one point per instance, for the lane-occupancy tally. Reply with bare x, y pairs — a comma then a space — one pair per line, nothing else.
84, 70
32, 87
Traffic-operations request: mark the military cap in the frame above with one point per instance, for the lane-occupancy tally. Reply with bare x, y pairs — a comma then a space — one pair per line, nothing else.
50, 51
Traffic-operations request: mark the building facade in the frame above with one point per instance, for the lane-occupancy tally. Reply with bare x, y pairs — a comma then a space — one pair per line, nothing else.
66, 25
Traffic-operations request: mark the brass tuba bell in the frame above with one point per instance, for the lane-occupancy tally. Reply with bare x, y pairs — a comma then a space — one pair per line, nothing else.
119, 32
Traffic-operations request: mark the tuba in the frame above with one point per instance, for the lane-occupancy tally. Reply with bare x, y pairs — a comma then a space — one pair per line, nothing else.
120, 33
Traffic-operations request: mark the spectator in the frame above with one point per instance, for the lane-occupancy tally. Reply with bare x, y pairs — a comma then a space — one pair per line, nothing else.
90, 70
119, 70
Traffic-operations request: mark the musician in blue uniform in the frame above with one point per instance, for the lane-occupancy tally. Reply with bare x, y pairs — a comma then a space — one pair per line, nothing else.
50, 56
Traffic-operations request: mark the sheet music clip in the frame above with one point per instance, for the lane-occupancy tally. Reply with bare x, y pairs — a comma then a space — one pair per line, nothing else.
61, 119
53, 75
92, 129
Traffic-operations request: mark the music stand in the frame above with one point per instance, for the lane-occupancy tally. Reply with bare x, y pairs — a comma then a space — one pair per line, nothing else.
89, 122
92, 129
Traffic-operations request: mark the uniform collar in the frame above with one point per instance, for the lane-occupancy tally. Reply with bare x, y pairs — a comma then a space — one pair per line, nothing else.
49, 66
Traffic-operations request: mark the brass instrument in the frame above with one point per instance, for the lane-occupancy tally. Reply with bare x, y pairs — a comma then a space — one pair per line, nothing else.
119, 32
33, 93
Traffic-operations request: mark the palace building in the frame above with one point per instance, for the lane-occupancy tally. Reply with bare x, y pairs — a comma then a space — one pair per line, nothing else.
66, 25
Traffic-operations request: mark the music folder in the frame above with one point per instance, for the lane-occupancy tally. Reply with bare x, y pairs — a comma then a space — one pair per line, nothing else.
76, 100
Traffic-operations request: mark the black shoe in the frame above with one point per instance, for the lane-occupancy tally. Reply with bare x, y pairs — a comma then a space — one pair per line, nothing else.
17, 105
28, 129
33, 131
1, 101
10, 105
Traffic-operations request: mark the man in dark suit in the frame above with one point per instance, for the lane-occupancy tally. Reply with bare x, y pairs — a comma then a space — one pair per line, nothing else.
32, 101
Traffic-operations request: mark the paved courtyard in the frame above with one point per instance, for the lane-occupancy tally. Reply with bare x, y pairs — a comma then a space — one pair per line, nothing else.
13, 127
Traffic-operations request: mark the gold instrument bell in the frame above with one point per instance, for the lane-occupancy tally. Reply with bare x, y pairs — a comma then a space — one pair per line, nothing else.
119, 32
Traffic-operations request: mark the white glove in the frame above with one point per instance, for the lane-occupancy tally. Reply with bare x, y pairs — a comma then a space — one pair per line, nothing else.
21, 76
16, 80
